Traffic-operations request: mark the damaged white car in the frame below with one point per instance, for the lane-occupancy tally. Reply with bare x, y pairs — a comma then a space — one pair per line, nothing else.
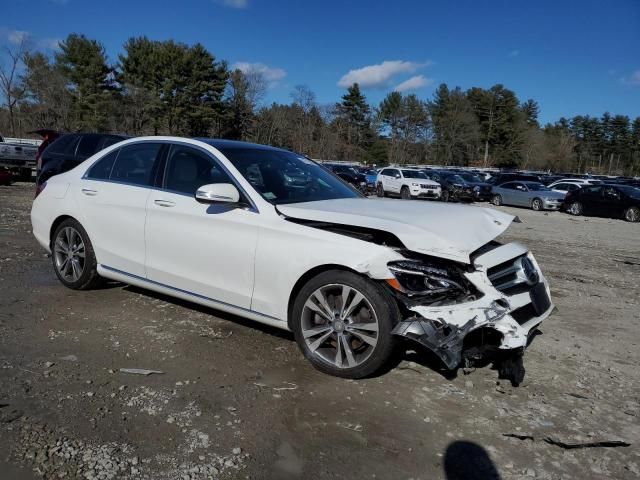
272, 236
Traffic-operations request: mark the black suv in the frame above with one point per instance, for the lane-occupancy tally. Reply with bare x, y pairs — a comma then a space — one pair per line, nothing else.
70, 150
349, 175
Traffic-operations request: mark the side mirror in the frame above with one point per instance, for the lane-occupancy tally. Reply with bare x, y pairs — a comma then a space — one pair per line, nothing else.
218, 193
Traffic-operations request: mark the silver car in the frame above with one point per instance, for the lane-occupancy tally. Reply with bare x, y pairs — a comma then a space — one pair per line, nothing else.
527, 194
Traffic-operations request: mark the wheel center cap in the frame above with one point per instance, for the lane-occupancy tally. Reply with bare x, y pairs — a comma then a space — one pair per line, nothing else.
338, 326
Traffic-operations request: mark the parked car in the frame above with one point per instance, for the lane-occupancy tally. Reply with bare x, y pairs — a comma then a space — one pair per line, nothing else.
617, 201
349, 175
370, 176
564, 186
18, 156
527, 194
408, 183
6, 176
461, 186
581, 181
70, 150
215, 222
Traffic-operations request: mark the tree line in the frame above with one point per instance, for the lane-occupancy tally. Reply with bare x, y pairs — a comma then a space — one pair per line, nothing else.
166, 87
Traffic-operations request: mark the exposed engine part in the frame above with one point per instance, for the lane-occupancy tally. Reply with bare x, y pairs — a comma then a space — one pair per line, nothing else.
372, 235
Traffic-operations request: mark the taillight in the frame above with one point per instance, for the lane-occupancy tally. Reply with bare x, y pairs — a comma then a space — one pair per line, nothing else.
40, 188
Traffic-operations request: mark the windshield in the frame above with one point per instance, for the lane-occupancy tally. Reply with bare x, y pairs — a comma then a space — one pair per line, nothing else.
537, 187
285, 177
413, 174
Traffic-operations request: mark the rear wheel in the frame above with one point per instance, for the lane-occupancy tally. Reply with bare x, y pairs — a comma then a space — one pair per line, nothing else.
575, 208
632, 214
405, 193
536, 204
342, 323
496, 200
74, 260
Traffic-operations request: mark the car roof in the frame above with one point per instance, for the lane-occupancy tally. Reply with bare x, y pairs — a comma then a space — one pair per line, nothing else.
220, 143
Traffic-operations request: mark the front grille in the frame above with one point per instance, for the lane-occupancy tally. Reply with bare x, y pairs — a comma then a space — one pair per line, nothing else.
513, 276
424, 185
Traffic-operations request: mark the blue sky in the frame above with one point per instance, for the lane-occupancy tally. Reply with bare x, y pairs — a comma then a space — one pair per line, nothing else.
573, 57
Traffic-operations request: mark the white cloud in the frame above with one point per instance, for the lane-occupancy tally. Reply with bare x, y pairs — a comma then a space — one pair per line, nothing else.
233, 3
632, 80
380, 75
16, 37
413, 83
514, 53
271, 74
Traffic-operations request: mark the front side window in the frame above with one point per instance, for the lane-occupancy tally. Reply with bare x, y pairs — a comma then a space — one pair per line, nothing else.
266, 171
101, 170
189, 169
135, 163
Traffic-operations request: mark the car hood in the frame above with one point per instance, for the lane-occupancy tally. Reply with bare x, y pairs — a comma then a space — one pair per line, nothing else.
442, 230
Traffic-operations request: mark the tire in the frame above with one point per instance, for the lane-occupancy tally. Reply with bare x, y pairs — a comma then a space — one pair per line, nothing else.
536, 204
380, 190
72, 269
632, 214
325, 338
405, 194
445, 196
496, 200
575, 208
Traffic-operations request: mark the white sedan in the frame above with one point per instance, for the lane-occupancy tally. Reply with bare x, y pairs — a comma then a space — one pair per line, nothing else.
220, 224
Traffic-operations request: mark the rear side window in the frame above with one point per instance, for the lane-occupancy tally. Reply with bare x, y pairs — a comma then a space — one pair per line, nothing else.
188, 169
134, 164
64, 144
88, 145
101, 170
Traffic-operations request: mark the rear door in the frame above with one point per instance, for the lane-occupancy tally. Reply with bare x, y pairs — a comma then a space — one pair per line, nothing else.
591, 199
112, 197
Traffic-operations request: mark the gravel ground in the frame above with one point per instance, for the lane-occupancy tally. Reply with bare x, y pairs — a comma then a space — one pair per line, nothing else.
237, 400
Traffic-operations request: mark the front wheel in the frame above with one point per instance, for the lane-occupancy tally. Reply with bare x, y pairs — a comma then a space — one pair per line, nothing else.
74, 260
575, 208
405, 193
342, 322
632, 214
380, 190
496, 200
445, 196
536, 204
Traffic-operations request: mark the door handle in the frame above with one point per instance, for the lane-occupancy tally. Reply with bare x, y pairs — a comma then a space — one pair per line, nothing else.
89, 192
164, 203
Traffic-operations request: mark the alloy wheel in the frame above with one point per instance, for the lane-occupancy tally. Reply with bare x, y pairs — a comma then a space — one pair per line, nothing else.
536, 204
340, 326
575, 208
632, 214
69, 254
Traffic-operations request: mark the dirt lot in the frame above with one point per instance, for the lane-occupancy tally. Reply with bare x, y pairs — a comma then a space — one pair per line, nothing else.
237, 400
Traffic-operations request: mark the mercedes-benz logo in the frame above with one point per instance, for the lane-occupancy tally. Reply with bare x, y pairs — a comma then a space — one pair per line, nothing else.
529, 271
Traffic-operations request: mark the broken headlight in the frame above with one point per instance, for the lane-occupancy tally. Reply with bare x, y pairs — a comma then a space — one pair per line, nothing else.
419, 278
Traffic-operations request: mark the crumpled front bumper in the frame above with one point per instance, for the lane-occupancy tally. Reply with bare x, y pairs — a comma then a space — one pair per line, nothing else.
513, 312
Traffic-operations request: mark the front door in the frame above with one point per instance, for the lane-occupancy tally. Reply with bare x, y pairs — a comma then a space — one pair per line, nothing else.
206, 250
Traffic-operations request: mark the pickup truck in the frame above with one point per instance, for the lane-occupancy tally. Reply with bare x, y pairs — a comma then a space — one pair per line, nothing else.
19, 157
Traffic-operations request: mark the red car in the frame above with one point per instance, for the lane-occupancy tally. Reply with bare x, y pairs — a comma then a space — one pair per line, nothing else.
6, 177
